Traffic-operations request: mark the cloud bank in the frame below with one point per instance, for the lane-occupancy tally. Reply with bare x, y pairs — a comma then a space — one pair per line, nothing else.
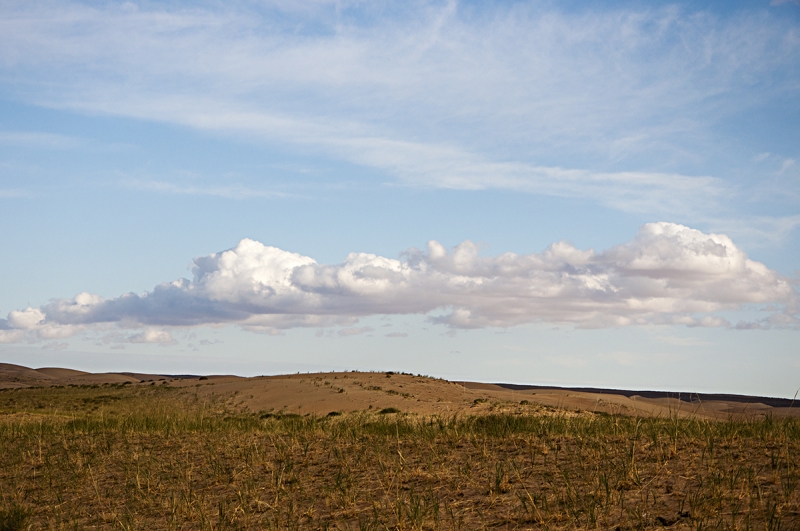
668, 274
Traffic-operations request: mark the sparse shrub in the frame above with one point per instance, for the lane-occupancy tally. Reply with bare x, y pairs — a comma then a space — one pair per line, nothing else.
387, 410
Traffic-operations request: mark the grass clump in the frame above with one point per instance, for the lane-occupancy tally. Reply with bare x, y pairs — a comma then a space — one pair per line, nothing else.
14, 518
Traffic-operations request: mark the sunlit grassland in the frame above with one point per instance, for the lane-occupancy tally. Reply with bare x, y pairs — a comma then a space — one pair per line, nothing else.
155, 457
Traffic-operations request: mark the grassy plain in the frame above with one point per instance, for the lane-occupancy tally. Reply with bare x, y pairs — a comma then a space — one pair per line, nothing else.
152, 456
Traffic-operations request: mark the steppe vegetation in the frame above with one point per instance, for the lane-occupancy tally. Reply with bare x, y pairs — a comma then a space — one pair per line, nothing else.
151, 456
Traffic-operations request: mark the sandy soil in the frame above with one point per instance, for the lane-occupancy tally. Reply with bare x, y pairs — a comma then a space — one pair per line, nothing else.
325, 393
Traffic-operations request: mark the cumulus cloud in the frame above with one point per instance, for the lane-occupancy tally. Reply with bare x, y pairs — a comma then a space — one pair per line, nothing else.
668, 274
34, 319
11, 336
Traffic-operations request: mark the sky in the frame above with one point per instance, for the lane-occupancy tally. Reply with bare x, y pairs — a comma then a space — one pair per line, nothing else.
600, 193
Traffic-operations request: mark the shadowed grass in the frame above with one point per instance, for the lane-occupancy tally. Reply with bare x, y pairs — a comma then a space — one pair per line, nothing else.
13, 518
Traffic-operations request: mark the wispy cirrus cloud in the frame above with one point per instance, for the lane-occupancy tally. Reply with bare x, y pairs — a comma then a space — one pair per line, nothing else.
759, 231
12, 192
234, 191
36, 139
667, 275
442, 165
529, 98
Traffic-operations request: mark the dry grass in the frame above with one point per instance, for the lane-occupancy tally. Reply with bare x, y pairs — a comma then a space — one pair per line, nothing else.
154, 457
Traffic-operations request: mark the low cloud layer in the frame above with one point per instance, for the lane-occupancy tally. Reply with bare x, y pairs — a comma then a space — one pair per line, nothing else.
668, 274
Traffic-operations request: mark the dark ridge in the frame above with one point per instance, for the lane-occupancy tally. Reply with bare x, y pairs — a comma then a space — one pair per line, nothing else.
685, 397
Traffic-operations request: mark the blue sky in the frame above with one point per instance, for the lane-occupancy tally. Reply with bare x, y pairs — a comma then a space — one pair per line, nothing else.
603, 193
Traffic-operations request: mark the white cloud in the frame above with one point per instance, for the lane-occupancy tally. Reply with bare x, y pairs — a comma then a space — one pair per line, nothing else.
11, 192
758, 231
37, 139
12, 336
668, 274
226, 191
57, 331
430, 94
33, 323
152, 336
788, 163
441, 166
26, 319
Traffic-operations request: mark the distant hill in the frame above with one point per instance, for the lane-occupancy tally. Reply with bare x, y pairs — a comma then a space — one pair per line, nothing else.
336, 392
